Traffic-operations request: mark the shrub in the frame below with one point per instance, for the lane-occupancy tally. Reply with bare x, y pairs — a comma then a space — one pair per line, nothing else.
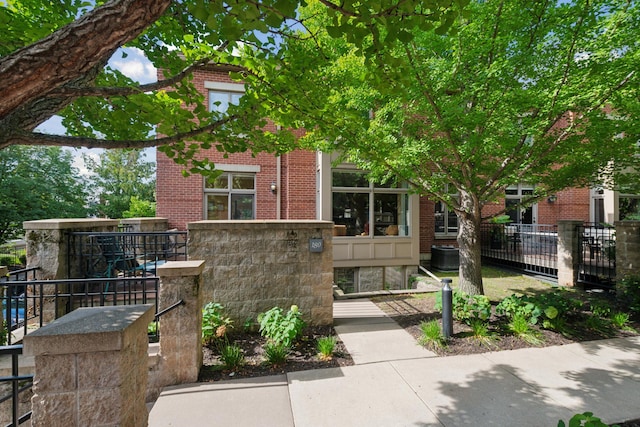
481, 332
276, 352
628, 292
281, 328
431, 335
620, 320
6, 260
232, 356
585, 419
214, 322
326, 347
521, 328
466, 307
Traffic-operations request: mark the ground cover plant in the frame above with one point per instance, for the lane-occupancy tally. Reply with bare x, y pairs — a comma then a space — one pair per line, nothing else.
517, 311
274, 343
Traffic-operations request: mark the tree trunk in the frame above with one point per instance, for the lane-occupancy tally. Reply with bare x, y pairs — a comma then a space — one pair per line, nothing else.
469, 244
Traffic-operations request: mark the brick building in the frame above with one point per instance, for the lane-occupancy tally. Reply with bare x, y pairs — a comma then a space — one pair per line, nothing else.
382, 233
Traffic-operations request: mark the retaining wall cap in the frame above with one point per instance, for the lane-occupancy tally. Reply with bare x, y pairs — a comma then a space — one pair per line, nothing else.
86, 329
66, 223
264, 224
180, 268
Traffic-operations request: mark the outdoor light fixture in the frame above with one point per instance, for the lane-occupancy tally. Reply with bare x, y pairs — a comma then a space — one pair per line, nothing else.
552, 198
273, 187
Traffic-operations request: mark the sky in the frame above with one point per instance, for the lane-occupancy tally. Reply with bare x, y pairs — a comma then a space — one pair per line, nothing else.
135, 66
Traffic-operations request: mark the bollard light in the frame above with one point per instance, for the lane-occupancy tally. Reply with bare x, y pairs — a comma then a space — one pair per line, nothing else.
447, 310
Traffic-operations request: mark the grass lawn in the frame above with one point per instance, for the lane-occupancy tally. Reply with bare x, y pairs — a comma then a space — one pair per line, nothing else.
499, 283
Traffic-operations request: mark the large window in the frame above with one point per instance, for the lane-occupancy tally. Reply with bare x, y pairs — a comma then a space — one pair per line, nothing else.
365, 209
230, 196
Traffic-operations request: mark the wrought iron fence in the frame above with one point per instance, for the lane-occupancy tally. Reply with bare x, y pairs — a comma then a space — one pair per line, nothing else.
529, 247
13, 254
597, 255
33, 303
118, 254
19, 384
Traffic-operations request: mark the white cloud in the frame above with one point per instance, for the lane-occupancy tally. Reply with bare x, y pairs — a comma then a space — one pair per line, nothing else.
135, 66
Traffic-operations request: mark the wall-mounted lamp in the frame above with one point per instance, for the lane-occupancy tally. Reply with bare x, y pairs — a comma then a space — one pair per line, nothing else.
552, 198
273, 188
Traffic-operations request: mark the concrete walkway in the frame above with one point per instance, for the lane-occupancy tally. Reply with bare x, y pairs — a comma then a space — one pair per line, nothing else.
397, 383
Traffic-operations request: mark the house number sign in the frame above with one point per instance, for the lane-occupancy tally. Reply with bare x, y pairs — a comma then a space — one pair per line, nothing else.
316, 245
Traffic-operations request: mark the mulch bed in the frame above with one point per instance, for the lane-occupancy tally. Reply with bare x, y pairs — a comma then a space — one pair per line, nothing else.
303, 356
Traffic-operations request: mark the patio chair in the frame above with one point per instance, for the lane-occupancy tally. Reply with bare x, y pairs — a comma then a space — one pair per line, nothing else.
117, 259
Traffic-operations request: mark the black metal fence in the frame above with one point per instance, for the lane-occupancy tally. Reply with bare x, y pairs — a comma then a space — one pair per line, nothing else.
33, 303
19, 384
118, 254
529, 247
597, 255
13, 255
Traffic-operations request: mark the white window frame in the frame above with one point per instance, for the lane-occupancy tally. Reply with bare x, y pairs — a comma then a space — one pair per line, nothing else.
230, 89
446, 233
520, 190
230, 191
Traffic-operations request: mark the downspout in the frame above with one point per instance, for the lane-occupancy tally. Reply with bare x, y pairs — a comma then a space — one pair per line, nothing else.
279, 184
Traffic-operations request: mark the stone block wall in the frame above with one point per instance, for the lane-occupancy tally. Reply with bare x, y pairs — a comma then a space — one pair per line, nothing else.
252, 266
91, 368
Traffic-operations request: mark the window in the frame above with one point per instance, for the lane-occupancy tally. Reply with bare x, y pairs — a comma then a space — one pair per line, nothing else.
219, 100
357, 204
230, 196
446, 220
514, 195
222, 94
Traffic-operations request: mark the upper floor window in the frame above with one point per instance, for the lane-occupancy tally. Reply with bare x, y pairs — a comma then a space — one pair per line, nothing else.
222, 95
367, 209
230, 196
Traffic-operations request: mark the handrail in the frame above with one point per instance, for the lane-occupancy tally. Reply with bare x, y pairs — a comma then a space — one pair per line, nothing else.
168, 309
433, 276
15, 351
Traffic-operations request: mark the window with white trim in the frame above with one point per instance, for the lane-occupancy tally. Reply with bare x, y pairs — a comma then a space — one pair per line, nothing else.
231, 195
514, 196
357, 203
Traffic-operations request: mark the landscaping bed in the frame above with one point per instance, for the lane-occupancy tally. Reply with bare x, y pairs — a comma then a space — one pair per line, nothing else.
302, 356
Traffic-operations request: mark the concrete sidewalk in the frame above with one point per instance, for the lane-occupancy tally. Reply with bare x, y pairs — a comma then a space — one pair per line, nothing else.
397, 383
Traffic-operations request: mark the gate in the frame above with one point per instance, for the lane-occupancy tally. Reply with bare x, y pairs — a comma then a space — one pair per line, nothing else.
596, 255
532, 248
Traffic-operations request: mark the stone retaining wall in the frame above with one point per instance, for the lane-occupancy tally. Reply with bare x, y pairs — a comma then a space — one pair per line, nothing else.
252, 266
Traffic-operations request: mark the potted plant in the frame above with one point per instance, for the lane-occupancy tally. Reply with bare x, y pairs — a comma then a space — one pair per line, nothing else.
497, 230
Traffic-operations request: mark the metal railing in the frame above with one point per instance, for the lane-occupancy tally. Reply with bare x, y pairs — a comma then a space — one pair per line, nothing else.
114, 254
19, 384
33, 303
529, 247
597, 255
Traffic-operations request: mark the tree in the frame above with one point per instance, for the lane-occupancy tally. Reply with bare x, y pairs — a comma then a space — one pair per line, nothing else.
517, 92
119, 176
53, 58
38, 183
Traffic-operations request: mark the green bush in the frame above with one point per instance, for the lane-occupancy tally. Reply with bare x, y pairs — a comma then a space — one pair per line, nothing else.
281, 328
232, 356
585, 419
214, 322
465, 307
276, 353
628, 293
431, 336
326, 347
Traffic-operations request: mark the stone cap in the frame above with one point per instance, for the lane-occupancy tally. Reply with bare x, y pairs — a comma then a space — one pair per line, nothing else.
87, 330
265, 224
66, 223
180, 268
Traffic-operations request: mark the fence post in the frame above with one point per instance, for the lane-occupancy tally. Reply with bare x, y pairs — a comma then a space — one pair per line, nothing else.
91, 367
181, 328
627, 252
568, 252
